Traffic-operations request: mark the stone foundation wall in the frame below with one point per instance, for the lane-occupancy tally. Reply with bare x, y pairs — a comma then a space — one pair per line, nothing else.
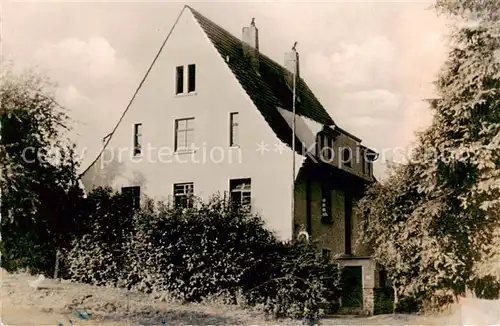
368, 301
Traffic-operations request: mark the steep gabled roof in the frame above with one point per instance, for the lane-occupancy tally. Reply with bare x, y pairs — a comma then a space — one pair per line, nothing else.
266, 87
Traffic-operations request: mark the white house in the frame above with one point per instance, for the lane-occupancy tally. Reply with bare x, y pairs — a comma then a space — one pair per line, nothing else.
214, 114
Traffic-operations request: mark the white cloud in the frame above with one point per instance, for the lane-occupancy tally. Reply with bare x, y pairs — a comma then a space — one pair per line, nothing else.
421, 36
417, 116
369, 63
378, 100
355, 65
366, 121
374, 86
92, 80
89, 65
369, 114
69, 95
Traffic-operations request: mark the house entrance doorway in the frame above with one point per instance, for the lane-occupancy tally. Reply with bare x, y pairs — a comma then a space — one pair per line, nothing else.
352, 292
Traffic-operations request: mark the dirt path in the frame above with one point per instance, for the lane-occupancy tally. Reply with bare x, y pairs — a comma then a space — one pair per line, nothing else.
54, 302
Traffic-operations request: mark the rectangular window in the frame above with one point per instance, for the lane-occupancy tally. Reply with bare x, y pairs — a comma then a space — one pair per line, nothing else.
137, 139
328, 153
179, 88
319, 146
241, 190
368, 163
347, 157
233, 129
325, 148
183, 195
184, 134
133, 195
326, 204
191, 78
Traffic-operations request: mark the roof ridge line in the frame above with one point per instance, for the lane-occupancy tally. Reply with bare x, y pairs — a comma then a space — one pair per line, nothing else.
262, 55
240, 40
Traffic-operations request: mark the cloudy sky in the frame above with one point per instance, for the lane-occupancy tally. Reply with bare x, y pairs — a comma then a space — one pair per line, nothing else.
370, 63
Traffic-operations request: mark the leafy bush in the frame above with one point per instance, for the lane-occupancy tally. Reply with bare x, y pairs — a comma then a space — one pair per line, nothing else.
487, 287
294, 281
193, 254
38, 178
26, 252
408, 304
197, 252
99, 257
432, 222
383, 300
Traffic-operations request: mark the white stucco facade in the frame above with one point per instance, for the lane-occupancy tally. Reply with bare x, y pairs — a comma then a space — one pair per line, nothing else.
214, 162
221, 87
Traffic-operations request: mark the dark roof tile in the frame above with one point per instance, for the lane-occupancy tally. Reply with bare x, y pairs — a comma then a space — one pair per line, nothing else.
267, 88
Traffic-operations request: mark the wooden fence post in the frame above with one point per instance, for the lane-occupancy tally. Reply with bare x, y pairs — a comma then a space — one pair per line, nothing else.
56, 268
396, 299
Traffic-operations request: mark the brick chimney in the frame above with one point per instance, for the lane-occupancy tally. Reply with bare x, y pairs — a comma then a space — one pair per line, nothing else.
250, 37
291, 65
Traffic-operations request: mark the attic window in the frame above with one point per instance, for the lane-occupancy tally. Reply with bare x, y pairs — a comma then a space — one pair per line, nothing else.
191, 78
185, 83
179, 80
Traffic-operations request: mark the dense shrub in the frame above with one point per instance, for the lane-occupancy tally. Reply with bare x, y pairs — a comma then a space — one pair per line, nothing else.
408, 304
26, 252
99, 256
487, 287
38, 175
196, 252
294, 281
383, 300
200, 252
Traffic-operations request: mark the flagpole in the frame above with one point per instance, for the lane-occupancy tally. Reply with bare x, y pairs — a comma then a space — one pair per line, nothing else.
1, 184
293, 134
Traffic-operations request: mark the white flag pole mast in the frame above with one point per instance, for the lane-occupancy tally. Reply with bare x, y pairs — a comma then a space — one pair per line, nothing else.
293, 133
